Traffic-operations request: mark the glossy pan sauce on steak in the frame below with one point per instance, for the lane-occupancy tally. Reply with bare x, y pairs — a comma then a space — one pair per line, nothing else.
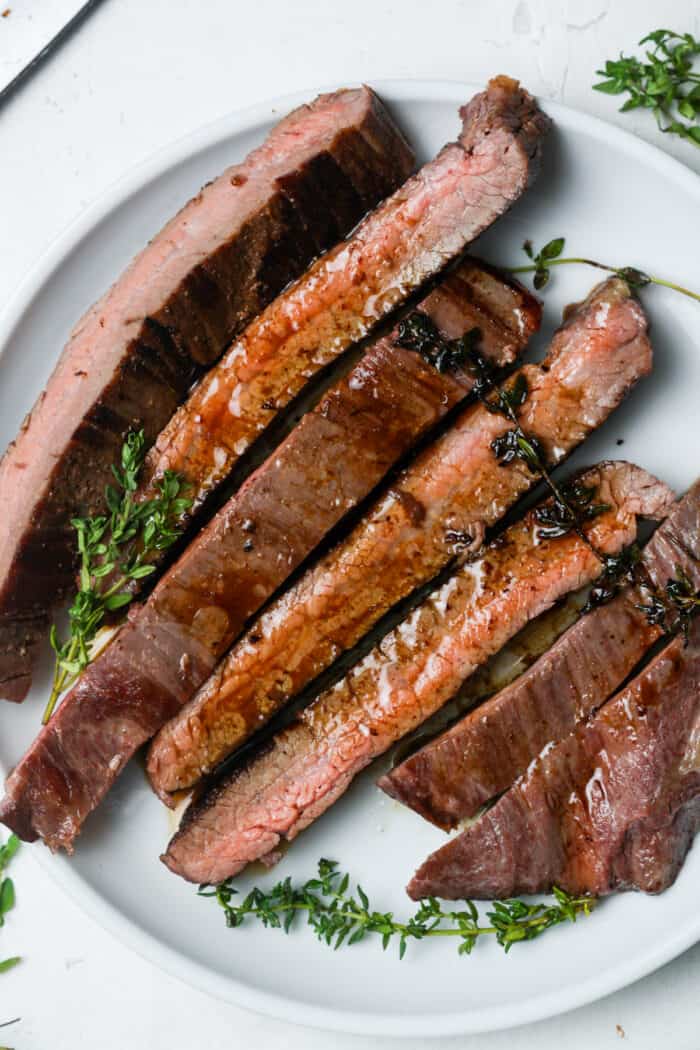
132, 358
408, 676
329, 462
615, 805
451, 777
341, 298
439, 507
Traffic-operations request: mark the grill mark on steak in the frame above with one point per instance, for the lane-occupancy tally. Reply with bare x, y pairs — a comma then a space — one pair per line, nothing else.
613, 806
451, 777
443, 502
156, 356
132, 358
324, 212
409, 674
427, 223
326, 465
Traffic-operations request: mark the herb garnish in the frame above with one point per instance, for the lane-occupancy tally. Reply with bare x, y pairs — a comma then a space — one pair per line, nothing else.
672, 607
556, 519
7, 893
665, 83
550, 255
515, 445
678, 602
683, 598
418, 332
339, 917
114, 550
552, 250
617, 569
573, 503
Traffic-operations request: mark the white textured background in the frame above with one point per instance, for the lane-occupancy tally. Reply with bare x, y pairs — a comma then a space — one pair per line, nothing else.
140, 74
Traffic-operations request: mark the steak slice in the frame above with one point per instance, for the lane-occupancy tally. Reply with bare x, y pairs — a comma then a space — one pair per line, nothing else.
408, 239
336, 456
451, 777
613, 806
437, 508
411, 673
329, 462
132, 358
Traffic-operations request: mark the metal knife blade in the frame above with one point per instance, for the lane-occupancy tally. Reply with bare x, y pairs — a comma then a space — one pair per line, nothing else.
32, 37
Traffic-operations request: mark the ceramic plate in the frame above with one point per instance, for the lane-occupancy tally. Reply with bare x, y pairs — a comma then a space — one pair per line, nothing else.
612, 197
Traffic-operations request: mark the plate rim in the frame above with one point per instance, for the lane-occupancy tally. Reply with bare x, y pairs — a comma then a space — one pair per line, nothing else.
174, 962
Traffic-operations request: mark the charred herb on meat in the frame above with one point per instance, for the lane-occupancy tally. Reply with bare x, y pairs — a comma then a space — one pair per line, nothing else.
7, 893
419, 332
114, 551
683, 598
673, 607
666, 83
571, 506
514, 444
677, 604
618, 569
338, 917
557, 519
550, 255
509, 399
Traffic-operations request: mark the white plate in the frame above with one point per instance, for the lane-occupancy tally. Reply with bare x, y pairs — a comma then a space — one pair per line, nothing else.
613, 197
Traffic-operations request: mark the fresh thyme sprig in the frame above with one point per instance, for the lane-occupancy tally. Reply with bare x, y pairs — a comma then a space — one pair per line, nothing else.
666, 83
114, 551
7, 893
550, 255
338, 917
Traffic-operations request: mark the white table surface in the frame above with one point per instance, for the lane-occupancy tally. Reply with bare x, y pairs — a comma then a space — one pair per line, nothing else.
139, 74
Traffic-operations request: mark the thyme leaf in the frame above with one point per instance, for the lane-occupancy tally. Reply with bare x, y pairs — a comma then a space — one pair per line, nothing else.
559, 517
551, 255
683, 599
617, 570
339, 917
515, 444
541, 260
665, 83
7, 893
670, 608
114, 551
419, 332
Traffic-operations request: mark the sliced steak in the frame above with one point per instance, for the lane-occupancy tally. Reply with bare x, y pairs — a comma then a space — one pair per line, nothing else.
451, 777
613, 806
412, 672
329, 462
437, 508
409, 238
335, 457
132, 358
